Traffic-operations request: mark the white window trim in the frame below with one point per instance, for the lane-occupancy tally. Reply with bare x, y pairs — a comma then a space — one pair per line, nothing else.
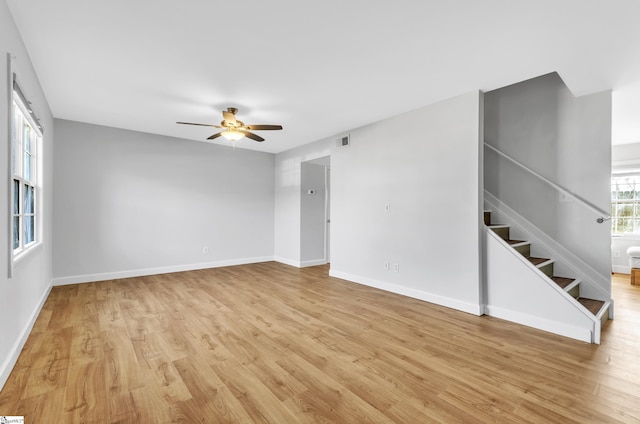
16, 256
625, 236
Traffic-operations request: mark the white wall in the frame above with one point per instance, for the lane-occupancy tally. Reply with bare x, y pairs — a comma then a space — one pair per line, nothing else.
515, 291
22, 296
288, 200
131, 203
312, 214
567, 140
425, 165
625, 158
619, 258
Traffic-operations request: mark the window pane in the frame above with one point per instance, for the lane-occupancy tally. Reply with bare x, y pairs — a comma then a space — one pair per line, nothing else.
16, 232
28, 199
14, 135
27, 166
614, 209
27, 137
16, 197
29, 229
625, 209
625, 225
615, 225
626, 192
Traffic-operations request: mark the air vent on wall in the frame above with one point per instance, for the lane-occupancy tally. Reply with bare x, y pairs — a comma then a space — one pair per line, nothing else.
343, 141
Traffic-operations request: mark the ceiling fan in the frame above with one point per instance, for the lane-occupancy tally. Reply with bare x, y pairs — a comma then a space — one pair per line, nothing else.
234, 129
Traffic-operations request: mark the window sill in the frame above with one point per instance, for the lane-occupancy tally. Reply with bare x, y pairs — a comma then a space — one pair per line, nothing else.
25, 253
625, 236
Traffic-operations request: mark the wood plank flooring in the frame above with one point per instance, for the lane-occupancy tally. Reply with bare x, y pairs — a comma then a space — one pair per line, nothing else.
268, 343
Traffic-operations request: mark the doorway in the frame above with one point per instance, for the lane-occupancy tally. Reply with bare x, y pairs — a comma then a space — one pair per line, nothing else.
315, 209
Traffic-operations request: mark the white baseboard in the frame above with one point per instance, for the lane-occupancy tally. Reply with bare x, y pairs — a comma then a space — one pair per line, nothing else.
313, 263
287, 261
12, 358
554, 327
621, 269
61, 281
448, 302
300, 264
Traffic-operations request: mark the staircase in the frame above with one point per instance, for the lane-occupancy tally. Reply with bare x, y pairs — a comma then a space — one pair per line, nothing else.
596, 309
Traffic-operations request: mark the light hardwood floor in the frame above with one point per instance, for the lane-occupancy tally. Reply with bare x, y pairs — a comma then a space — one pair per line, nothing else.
275, 344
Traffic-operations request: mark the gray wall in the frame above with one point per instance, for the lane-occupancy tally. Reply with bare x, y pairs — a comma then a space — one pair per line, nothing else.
565, 139
425, 165
22, 295
430, 175
136, 203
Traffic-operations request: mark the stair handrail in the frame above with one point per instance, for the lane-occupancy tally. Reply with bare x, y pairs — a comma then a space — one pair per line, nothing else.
605, 216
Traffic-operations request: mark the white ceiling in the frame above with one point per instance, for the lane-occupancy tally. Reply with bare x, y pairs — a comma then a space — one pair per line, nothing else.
318, 68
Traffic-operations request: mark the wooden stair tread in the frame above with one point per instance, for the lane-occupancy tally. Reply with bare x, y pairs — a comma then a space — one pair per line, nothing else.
563, 281
592, 305
515, 241
537, 261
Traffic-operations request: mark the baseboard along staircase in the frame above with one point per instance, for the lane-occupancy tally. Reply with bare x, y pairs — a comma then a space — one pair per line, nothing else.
598, 309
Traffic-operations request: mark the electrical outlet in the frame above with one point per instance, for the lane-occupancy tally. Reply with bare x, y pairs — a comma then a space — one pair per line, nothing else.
387, 207
386, 266
616, 254
205, 250
396, 267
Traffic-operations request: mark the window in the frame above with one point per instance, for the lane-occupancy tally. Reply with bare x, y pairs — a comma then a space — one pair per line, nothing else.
625, 204
25, 193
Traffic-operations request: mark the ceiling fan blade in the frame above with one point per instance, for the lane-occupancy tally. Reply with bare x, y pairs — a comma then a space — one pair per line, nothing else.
216, 135
202, 125
229, 117
264, 127
252, 136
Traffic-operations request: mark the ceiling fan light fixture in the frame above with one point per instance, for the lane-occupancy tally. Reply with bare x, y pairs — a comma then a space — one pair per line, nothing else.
232, 135
234, 129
